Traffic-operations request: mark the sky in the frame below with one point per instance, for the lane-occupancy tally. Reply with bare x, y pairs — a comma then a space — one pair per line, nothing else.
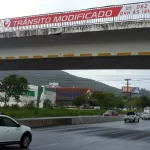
115, 78
18, 8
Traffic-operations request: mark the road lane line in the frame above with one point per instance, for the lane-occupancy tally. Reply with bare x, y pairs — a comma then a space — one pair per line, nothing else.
46, 146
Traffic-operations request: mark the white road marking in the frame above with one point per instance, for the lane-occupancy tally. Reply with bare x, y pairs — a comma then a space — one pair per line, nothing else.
46, 145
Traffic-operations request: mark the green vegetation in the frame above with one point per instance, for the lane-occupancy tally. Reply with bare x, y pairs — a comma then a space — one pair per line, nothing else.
102, 99
138, 102
45, 112
111, 101
13, 86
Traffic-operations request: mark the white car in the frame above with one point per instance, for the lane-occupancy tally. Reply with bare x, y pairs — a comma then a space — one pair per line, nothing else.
145, 115
11, 132
131, 116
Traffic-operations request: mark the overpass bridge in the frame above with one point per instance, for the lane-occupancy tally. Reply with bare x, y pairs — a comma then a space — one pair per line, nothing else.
94, 38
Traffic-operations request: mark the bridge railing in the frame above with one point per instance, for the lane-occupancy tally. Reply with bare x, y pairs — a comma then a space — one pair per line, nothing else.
100, 15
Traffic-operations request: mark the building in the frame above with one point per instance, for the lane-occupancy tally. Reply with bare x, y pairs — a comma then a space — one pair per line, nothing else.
53, 92
68, 94
35, 93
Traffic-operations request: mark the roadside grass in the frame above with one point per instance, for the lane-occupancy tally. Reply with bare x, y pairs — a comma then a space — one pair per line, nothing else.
45, 112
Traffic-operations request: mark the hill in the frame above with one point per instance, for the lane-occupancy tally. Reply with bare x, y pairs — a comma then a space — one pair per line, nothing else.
43, 77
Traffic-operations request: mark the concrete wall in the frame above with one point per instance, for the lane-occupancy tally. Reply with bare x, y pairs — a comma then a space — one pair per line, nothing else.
82, 27
38, 123
95, 119
58, 121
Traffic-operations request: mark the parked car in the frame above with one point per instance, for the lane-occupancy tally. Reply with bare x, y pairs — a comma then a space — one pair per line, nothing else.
131, 116
110, 113
11, 132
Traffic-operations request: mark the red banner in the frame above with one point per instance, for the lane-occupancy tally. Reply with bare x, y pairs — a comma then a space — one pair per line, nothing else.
64, 17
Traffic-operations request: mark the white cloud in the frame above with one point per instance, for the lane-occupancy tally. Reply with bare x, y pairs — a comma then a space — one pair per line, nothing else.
17, 8
67, 5
140, 78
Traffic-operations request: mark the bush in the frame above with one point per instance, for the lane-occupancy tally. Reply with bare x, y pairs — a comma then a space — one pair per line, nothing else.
15, 107
47, 104
36, 112
46, 112
6, 106
30, 105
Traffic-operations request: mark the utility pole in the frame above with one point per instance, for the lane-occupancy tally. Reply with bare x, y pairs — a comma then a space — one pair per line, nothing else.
128, 86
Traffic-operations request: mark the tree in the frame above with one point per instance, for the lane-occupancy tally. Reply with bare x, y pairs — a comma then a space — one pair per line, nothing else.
13, 86
31, 104
47, 104
142, 102
107, 100
79, 100
99, 96
92, 102
118, 102
2, 99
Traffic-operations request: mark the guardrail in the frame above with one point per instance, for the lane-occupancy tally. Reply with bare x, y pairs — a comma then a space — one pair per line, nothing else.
100, 15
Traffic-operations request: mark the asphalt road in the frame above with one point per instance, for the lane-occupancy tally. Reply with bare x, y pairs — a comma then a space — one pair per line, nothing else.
106, 136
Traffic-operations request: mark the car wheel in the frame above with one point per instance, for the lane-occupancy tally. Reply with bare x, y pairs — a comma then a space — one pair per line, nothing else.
25, 141
125, 120
134, 120
138, 120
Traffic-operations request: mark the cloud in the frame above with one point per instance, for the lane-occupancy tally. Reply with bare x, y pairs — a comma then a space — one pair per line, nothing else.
15, 8
67, 5
18, 8
139, 78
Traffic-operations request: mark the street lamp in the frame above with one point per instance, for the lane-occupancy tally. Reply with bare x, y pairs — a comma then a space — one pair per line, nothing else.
72, 96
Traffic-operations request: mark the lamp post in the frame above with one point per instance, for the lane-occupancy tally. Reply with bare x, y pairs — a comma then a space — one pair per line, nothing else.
72, 96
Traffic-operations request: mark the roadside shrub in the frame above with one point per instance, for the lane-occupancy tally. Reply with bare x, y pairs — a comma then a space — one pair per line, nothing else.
35, 112
30, 105
15, 107
47, 104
